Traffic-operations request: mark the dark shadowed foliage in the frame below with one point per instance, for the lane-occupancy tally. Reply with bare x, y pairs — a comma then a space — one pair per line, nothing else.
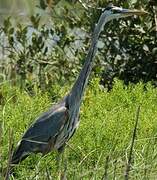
44, 52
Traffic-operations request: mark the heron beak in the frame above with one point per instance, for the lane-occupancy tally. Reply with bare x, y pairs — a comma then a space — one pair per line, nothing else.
129, 12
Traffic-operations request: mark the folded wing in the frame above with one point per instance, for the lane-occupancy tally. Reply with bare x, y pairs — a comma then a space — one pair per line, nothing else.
42, 134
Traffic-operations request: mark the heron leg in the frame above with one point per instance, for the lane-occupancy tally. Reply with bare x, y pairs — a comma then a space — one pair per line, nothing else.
58, 161
61, 163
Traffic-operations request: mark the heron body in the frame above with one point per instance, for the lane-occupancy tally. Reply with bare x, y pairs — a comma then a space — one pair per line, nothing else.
55, 127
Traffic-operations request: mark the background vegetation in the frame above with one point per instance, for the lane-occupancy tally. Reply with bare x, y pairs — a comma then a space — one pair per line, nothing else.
104, 136
34, 51
42, 49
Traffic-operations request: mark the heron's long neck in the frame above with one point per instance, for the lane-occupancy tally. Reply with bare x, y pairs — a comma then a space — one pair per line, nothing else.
78, 88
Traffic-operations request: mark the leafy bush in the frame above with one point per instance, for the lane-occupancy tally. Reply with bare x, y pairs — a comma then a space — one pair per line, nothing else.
56, 52
131, 51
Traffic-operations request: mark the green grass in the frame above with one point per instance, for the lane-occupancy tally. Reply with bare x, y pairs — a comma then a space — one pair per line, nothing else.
105, 131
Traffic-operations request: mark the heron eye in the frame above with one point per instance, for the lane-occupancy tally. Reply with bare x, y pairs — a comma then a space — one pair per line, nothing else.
108, 8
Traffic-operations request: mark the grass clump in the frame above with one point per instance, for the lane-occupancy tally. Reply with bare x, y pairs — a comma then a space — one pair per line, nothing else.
104, 135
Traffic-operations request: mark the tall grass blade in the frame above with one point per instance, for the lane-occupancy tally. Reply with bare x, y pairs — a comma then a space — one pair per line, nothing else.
8, 169
105, 176
132, 145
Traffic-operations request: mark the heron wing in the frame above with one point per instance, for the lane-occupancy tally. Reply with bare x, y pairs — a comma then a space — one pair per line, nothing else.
41, 135
47, 125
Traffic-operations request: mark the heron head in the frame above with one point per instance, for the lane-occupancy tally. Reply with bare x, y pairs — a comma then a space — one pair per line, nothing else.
114, 12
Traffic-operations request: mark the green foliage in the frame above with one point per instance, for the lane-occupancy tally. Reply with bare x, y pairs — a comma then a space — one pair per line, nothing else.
106, 127
130, 46
35, 58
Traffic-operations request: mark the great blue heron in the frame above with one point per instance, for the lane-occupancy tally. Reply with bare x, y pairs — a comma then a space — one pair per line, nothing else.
55, 127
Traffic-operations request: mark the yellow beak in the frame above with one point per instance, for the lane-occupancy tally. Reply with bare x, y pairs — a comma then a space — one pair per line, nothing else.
129, 12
